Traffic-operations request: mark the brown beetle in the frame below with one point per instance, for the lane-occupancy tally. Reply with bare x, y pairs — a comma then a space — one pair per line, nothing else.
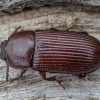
52, 51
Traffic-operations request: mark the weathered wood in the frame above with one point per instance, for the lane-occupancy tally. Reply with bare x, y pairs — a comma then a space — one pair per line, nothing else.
32, 86
9, 7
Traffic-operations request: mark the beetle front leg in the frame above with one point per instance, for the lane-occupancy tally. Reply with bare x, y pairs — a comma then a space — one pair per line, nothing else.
50, 78
80, 75
22, 72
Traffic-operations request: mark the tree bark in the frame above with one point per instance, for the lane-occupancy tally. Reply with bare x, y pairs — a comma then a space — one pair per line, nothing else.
9, 7
32, 86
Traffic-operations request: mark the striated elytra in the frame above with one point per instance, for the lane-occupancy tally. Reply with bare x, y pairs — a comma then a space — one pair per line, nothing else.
51, 50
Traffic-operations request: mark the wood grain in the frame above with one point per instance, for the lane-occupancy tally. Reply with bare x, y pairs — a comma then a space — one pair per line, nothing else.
32, 86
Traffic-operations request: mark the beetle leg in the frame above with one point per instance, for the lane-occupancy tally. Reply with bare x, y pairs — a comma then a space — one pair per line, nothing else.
53, 29
22, 72
80, 75
50, 78
69, 28
16, 29
7, 73
81, 31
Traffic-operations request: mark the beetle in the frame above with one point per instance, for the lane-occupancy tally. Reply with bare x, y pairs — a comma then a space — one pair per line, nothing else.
51, 50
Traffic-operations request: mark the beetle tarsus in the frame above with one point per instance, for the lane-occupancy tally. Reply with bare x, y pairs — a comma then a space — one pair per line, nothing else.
14, 79
51, 78
54, 79
22, 72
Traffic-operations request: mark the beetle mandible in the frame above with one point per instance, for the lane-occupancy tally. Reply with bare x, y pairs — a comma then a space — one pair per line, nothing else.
51, 50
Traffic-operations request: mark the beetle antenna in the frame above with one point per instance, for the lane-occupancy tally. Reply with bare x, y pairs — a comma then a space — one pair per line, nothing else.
7, 73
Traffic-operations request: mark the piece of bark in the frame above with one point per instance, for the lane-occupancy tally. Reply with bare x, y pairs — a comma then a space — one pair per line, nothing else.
9, 7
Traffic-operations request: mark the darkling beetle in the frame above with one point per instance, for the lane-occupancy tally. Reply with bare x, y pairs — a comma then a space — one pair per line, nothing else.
51, 50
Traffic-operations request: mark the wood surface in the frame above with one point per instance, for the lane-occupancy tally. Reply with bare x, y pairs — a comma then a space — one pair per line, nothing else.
10, 7
32, 86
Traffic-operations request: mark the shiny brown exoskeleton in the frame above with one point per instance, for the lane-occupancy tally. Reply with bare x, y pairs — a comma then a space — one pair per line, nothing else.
52, 51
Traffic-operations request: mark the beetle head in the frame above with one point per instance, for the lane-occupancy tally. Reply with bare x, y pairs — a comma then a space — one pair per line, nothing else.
2, 50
